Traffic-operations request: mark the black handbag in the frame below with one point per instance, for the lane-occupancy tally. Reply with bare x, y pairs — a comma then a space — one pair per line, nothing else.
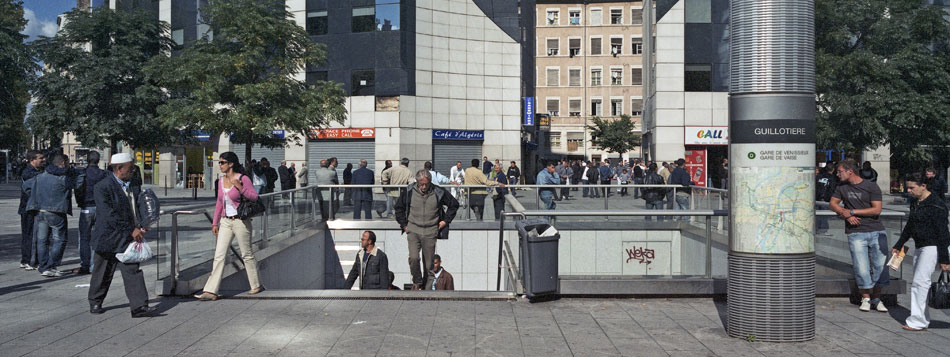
939, 296
247, 209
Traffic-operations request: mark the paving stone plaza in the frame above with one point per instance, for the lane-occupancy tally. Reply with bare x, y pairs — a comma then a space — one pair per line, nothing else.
49, 317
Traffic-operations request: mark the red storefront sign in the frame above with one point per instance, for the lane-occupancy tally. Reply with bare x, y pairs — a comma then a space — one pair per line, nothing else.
346, 133
696, 165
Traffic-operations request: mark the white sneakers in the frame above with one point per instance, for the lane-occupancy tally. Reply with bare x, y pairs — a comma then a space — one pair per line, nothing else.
52, 273
866, 305
881, 307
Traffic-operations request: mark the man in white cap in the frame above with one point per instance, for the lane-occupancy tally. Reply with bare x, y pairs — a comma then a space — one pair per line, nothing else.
116, 227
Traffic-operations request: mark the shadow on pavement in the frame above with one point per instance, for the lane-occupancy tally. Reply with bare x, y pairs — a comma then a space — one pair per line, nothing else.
34, 284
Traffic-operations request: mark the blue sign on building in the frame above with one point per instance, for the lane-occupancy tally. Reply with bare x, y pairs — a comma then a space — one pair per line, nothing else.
446, 134
528, 111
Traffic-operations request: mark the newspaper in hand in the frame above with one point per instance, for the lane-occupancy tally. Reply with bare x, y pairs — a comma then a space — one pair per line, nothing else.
896, 259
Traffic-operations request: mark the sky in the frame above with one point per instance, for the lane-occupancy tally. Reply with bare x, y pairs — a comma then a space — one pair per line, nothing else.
41, 15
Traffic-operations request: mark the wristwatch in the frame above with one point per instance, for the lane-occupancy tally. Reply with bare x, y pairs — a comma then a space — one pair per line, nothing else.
851, 212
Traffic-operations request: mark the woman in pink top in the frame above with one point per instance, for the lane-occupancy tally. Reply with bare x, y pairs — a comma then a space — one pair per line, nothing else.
227, 225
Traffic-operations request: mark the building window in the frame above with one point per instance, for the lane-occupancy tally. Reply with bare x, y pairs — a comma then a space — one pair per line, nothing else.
364, 19
636, 76
574, 77
314, 77
363, 82
554, 139
636, 17
595, 77
596, 17
698, 78
596, 107
554, 107
616, 76
595, 44
387, 15
616, 107
575, 46
178, 35
554, 77
616, 46
553, 44
636, 106
554, 17
575, 141
575, 17
574, 107
636, 46
317, 23
616, 16
698, 11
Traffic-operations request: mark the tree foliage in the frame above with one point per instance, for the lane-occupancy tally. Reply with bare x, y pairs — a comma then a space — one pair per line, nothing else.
614, 135
883, 77
94, 85
17, 66
240, 79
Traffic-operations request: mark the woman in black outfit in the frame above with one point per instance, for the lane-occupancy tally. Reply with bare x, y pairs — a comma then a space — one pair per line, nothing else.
927, 225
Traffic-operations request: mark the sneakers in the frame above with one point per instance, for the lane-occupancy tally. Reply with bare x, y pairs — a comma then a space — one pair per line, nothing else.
881, 307
865, 304
52, 273
26, 266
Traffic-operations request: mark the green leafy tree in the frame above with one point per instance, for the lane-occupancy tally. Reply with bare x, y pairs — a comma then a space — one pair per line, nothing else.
94, 85
883, 77
17, 66
614, 135
239, 80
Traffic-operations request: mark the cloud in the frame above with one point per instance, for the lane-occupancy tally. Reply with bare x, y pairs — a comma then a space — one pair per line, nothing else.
36, 27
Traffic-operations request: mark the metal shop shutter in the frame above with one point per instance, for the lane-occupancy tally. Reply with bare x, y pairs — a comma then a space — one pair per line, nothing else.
345, 151
446, 152
275, 156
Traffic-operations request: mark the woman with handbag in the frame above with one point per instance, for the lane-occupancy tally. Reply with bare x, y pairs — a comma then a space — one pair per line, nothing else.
234, 189
927, 225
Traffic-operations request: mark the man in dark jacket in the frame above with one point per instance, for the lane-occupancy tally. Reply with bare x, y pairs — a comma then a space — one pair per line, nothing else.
34, 166
371, 265
270, 174
51, 197
824, 188
116, 227
443, 280
284, 175
86, 199
606, 174
363, 197
653, 195
486, 166
593, 178
681, 177
424, 211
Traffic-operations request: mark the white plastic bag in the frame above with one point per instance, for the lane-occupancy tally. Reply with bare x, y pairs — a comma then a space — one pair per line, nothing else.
137, 252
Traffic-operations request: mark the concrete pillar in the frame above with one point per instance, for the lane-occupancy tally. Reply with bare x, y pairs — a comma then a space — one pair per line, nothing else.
772, 158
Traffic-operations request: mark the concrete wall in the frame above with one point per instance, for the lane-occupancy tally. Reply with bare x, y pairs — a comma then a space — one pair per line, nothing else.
300, 266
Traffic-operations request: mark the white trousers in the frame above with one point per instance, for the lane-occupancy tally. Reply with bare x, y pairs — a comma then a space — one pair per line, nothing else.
227, 230
925, 262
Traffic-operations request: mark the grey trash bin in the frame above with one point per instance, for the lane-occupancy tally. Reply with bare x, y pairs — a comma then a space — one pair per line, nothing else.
538, 259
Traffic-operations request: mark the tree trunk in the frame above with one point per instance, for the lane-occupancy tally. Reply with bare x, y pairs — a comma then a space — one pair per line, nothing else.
247, 150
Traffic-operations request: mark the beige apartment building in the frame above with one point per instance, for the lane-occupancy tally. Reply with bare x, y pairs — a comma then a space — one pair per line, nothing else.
589, 64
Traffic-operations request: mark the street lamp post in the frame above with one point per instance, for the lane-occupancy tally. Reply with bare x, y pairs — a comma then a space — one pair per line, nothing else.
772, 158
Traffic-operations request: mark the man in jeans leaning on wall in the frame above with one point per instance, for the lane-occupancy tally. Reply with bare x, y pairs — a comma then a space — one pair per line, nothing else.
859, 203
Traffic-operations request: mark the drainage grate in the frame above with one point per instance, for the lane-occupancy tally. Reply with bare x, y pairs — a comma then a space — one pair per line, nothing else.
771, 298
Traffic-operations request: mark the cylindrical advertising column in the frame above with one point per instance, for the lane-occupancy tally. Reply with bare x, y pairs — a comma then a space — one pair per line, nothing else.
771, 162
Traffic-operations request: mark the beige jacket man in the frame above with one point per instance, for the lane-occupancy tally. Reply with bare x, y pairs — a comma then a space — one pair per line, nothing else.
397, 175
